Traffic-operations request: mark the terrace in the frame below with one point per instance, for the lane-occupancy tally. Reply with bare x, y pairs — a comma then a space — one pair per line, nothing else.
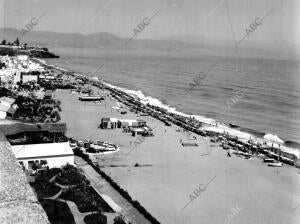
22, 133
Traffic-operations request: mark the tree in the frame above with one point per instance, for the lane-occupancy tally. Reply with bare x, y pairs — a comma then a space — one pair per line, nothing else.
119, 220
3, 42
34, 167
17, 42
95, 218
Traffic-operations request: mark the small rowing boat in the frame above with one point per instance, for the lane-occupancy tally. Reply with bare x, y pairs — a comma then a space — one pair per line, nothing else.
278, 164
269, 160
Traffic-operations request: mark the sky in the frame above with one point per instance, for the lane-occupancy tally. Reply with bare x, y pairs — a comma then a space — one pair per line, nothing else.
203, 18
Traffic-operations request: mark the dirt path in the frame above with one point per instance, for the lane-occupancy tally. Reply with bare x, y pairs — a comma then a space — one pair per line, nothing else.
78, 216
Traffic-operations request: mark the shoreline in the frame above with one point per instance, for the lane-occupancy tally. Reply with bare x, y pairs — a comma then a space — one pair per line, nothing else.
147, 101
157, 102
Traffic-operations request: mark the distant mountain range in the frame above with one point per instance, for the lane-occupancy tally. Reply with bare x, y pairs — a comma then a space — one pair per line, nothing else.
189, 43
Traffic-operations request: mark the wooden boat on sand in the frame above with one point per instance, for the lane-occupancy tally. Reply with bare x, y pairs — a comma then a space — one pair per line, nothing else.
278, 164
269, 160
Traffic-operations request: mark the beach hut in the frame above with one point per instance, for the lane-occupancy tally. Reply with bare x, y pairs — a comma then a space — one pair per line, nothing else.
128, 123
104, 123
147, 131
141, 123
113, 123
109, 123
137, 131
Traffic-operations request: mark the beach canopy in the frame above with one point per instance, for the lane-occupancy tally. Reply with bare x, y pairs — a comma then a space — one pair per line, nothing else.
273, 138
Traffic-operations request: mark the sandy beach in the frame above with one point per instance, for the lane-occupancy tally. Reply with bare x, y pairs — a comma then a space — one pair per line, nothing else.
172, 112
242, 191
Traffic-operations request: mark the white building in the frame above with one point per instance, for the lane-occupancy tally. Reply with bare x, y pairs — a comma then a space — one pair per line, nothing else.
6, 106
3, 110
54, 154
17, 77
29, 77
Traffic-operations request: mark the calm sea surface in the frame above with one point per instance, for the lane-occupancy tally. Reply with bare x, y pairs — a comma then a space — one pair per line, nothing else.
269, 93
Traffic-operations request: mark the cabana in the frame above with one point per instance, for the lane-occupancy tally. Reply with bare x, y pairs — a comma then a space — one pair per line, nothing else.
109, 123
141, 123
127, 123
137, 131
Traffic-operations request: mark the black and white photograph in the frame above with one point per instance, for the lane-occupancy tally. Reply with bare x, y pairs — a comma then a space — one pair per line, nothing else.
149, 111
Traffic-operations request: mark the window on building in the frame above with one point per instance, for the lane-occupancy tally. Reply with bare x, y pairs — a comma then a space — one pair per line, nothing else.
30, 164
44, 162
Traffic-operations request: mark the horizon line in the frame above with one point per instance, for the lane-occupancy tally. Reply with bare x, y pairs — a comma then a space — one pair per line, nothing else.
163, 38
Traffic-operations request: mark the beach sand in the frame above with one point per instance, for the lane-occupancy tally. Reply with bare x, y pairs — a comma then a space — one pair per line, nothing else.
242, 191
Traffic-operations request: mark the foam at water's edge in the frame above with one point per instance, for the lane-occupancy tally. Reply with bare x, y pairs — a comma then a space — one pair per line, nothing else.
239, 131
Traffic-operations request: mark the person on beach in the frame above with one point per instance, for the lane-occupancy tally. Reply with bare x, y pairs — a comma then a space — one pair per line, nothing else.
228, 153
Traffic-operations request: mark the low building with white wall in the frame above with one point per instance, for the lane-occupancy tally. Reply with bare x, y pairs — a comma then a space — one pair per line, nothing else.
42, 144
50, 154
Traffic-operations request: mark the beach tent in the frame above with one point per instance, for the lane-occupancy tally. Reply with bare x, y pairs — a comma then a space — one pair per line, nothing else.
273, 138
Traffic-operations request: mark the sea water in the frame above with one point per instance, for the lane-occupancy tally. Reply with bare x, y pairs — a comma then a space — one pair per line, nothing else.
269, 103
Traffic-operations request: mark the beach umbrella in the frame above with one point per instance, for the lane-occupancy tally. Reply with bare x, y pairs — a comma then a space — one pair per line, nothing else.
273, 138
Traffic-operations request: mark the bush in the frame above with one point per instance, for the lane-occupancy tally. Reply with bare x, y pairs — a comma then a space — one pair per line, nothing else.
86, 199
45, 189
47, 174
95, 218
58, 212
91, 150
71, 176
78, 152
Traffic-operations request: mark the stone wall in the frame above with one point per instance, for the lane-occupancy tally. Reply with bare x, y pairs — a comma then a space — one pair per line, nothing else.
18, 203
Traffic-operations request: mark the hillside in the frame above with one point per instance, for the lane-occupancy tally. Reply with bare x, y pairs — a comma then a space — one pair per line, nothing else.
187, 43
